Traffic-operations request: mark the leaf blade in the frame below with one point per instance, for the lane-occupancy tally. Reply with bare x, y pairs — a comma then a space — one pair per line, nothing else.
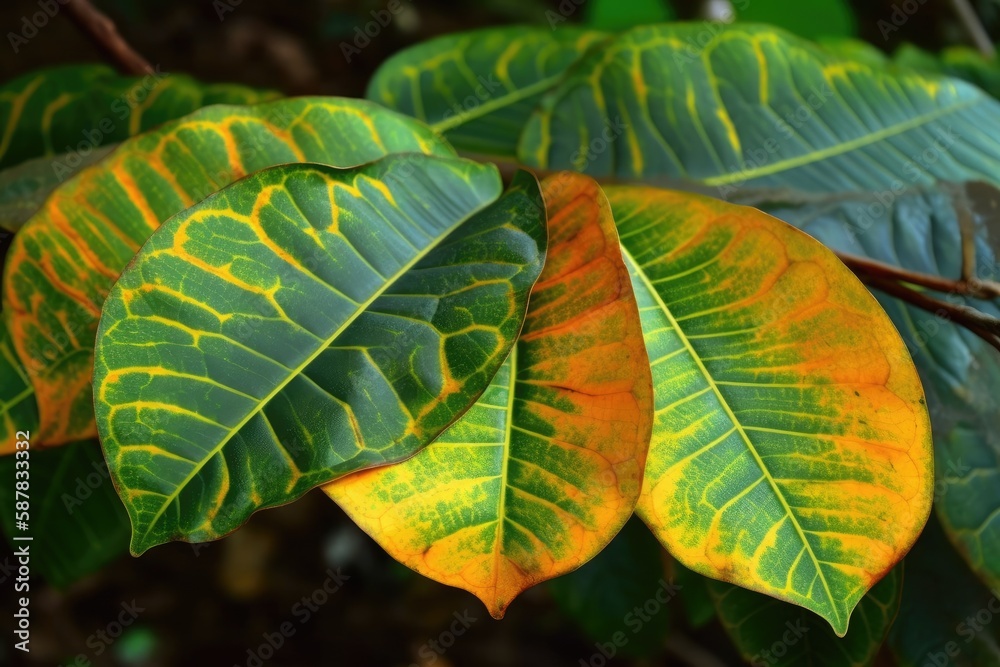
759, 357
340, 341
63, 261
478, 88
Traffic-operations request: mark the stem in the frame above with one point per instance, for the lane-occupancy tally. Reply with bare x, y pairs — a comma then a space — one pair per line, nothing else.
103, 31
984, 326
887, 278
974, 27
869, 267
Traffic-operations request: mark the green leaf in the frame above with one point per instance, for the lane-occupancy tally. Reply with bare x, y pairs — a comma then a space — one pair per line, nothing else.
538, 476
24, 188
946, 618
304, 323
74, 109
758, 107
609, 594
18, 411
960, 371
78, 524
699, 608
855, 49
64, 260
958, 61
791, 450
56, 122
767, 631
478, 88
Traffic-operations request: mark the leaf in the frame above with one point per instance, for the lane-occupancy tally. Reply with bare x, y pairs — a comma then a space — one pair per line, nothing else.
538, 476
946, 616
848, 48
78, 524
791, 449
478, 88
960, 371
958, 61
304, 323
18, 411
24, 188
63, 261
73, 109
609, 595
757, 107
696, 599
767, 631
81, 110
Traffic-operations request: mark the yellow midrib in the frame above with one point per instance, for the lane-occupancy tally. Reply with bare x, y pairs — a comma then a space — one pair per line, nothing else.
498, 547
498, 103
739, 427
294, 373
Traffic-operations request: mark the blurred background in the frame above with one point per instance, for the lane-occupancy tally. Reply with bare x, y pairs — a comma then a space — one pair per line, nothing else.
225, 603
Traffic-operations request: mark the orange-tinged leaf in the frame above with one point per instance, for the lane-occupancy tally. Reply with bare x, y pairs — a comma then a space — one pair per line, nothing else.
65, 259
791, 449
539, 475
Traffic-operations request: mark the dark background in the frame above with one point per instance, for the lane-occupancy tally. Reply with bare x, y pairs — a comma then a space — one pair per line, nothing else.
210, 604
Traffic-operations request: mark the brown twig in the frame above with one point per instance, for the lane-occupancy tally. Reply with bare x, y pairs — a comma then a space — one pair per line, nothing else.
984, 326
103, 31
974, 288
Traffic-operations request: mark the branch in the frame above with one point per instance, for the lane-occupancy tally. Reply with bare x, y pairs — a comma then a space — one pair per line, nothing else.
984, 326
103, 31
978, 289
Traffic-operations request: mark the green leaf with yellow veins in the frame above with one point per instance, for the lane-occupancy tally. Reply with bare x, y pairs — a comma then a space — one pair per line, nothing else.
73, 109
791, 449
749, 105
771, 632
479, 88
304, 323
65, 258
18, 411
25, 187
56, 122
539, 475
